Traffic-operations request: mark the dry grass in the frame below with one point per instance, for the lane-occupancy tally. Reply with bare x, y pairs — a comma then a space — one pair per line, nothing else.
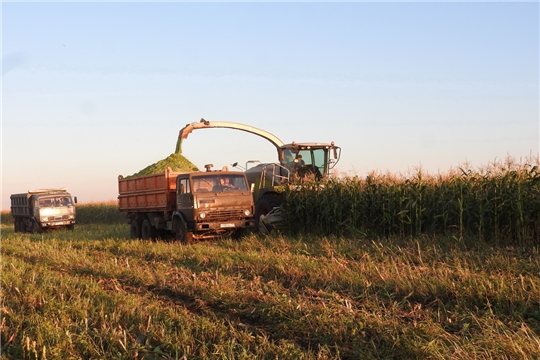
92, 293
396, 287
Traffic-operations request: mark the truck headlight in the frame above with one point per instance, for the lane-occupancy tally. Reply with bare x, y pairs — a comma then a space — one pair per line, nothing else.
202, 215
44, 218
247, 212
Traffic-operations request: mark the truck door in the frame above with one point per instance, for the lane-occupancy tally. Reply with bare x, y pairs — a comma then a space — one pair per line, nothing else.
184, 197
34, 207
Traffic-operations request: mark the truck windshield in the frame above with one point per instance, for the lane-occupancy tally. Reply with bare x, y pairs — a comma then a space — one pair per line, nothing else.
55, 201
219, 183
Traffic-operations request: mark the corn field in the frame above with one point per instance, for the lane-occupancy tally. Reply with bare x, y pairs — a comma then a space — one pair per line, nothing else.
100, 213
499, 203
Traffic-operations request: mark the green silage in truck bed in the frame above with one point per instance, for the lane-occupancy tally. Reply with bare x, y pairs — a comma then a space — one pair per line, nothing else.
176, 161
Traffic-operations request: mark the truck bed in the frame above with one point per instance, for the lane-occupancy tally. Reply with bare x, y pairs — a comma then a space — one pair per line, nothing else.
148, 193
19, 205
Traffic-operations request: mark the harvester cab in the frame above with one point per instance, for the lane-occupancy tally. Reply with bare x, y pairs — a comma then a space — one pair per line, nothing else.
303, 159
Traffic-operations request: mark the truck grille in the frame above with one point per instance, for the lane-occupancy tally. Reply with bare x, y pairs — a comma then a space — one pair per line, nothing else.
58, 217
225, 215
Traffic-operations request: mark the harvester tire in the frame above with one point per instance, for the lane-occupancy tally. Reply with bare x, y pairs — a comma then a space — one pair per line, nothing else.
265, 204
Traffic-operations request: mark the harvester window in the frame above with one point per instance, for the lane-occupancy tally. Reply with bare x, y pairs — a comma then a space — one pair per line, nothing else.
288, 159
299, 161
313, 160
320, 157
304, 155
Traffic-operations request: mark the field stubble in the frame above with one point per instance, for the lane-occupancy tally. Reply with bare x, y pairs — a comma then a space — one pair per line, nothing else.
92, 293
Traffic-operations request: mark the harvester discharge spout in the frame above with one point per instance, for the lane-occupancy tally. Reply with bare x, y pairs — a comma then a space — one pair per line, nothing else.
204, 124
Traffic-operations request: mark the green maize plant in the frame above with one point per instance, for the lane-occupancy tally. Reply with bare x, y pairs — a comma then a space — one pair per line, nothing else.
103, 213
499, 203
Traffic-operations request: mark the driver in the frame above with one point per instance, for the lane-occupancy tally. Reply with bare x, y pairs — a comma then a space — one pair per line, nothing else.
298, 162
226, 184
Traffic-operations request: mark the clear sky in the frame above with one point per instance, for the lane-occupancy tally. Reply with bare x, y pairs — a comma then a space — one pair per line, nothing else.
94, 90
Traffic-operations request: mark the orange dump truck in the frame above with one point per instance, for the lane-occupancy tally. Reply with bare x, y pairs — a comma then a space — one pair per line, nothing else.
189, 205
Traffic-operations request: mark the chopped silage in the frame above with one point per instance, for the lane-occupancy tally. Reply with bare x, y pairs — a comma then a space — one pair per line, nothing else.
176, 161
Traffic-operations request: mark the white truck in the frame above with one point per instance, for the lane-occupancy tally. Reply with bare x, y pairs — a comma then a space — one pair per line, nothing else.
37, 210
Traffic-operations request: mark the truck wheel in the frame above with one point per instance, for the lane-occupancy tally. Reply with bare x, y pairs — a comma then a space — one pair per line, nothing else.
22, 226
264, 205
36, 229
239, 233
135, 230
180, 231
147, 230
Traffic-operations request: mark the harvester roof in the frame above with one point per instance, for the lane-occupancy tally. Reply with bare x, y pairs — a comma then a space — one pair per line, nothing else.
308, 145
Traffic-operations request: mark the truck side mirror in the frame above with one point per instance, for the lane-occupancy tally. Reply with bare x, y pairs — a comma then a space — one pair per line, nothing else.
75, 199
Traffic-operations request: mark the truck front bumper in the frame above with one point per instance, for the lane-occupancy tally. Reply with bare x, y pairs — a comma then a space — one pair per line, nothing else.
225, 225
51, 224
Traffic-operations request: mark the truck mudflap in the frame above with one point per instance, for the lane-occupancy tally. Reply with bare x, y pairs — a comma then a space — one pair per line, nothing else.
274, 220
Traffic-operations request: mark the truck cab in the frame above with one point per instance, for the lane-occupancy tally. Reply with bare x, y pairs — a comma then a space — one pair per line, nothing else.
38, 210
217, 203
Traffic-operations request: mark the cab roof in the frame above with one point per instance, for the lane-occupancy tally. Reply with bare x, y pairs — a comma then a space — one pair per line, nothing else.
308, 145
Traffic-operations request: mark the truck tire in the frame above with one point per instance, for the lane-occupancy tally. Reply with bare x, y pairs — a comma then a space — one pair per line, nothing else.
180, 231
21, 225
266, 203
36, 229
135, 231
239, 233
147, 230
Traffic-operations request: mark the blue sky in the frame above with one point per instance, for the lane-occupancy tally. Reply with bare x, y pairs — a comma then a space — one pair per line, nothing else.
94, 90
